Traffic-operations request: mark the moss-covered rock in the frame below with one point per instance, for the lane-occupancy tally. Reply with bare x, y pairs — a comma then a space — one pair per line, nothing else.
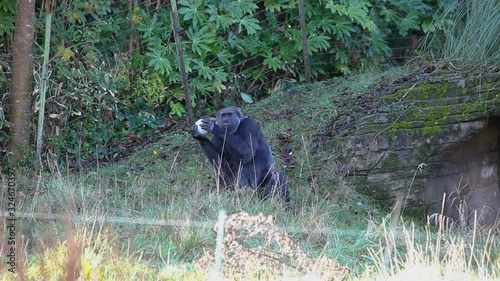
437, 137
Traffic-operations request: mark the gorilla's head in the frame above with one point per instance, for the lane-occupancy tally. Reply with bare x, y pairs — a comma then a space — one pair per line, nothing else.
229, 118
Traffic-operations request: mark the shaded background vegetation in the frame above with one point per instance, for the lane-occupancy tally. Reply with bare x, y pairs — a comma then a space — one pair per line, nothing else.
114, 70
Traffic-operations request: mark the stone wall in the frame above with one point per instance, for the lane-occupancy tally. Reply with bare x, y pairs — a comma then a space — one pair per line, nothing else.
432, 139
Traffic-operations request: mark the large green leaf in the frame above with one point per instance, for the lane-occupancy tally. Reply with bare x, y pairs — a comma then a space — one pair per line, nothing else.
241, 7
324, 23
203, 70
176, 108
222, 21
147, 26
201, 39
318, 42
273, 61
358, 12
343, 28
411, 21
224, 56
158, 59
246, 98
220, 75
273, 5
250, 23
193, 10
378, 43
336, 7
341, 57
391, 15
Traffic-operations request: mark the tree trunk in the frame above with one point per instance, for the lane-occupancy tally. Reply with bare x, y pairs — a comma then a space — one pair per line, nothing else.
22, 73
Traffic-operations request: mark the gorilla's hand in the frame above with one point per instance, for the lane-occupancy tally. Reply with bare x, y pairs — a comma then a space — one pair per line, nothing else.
193, 130
207, 125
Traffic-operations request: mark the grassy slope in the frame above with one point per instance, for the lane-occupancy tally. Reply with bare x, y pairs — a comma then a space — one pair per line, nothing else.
171, 180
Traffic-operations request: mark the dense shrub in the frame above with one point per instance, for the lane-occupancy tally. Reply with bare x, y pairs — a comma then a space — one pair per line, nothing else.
114, 68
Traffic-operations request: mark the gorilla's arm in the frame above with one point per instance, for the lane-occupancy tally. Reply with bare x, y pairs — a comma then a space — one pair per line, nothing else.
211, 148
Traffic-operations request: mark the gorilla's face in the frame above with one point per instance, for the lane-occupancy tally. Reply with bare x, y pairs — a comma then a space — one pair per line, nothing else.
229, 119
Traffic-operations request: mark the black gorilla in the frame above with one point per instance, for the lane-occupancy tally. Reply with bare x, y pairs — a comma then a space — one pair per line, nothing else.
240, 151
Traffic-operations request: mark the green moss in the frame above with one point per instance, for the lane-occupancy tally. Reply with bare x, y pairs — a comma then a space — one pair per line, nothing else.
431, 130
432, 91
402, 125
436, 105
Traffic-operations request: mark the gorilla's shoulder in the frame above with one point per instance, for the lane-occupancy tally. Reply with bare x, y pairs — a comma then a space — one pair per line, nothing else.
250, 124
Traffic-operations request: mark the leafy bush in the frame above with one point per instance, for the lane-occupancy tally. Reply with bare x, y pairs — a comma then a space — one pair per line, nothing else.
235, 50
110, 60
91, 81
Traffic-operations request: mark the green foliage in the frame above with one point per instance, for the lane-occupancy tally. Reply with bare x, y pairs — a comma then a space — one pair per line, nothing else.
193, 11
246, 98
356, 11
151, 87
227, 40
7, 11
108, 59
92, 103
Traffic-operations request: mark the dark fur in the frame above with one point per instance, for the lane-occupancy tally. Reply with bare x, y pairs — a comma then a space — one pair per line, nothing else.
240, 150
